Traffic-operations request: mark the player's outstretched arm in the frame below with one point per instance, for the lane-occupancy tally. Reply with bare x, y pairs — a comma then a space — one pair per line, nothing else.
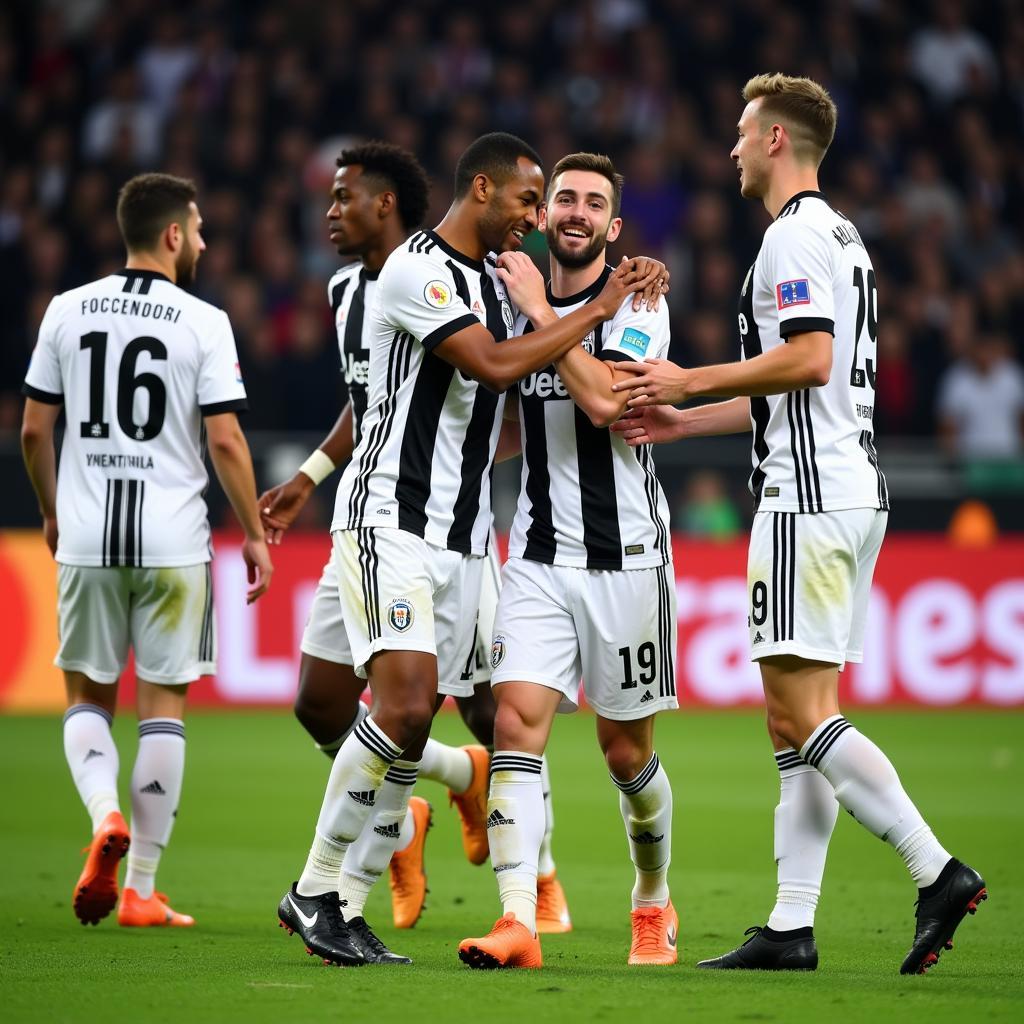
37, 426
805, 361
279, 506
229, 453
659, 424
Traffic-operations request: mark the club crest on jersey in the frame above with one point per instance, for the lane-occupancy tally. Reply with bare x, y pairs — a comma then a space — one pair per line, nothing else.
506, 316
497, 651
588, 342
400, 614
793, 293
635, 341
437, 294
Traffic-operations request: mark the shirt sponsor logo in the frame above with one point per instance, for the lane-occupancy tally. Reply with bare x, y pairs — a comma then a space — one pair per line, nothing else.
437, 294
400, 614
635, 341
543, 385
793, 293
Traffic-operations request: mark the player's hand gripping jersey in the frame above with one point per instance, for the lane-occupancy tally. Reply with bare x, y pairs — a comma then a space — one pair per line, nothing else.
137, 363
814, 449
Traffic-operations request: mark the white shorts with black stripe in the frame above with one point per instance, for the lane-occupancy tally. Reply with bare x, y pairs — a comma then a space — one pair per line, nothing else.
324, 636
399, 592
164, 615
615, 628
490, 588
809, 581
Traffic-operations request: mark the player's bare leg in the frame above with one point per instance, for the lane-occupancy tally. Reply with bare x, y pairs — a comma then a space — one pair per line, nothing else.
93, 760
156, 789
645, 801
328, 701
515, 824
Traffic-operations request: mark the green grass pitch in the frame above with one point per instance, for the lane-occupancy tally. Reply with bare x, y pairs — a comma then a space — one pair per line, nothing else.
252, 790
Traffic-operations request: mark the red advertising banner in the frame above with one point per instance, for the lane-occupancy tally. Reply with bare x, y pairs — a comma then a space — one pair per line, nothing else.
945, 626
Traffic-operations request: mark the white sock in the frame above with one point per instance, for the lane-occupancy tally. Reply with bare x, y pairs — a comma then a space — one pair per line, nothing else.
368, 857
804, 820
646, 806
356, 776
515, 828
545, 860
867, 785
92, 758
451, 766
335, 745
156, 790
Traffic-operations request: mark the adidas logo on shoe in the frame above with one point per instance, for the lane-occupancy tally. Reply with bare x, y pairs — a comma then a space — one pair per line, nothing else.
497, 818
646, 697
92, 753
366, 797
154, 789
647, 838
758, 639
392, 831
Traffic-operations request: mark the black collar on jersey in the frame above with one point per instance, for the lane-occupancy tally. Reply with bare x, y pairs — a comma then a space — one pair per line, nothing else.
583, 296
807, 194
477, 265
146, 275
368, 275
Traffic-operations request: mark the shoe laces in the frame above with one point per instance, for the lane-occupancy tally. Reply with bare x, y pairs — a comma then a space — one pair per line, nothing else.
753, 933
647, 929
332, 911
363, 930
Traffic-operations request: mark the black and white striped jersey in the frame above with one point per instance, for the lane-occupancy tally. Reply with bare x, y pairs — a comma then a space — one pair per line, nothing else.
587, 499
814, 449
137, 363
429, 433
350, 292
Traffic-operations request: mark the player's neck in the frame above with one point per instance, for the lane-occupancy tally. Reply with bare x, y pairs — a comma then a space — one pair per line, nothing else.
566, 281
147, 261
785, 186
461, 232
376, 255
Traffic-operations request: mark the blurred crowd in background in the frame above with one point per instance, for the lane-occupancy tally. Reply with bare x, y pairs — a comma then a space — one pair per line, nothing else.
254, 99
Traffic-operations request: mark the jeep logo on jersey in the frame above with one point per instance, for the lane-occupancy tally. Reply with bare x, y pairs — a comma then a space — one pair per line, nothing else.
543, 385
506, 316
437, 294
355, 371
497, 651
400, 614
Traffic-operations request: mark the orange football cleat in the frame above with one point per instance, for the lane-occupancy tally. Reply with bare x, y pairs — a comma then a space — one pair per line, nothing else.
655, 932
472, 806
407, 875
509, 944
552, 909
135, 912
95, 893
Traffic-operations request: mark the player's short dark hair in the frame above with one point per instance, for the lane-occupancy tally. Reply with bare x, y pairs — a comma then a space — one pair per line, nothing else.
396, 169
597, 163
804, 106
148, 203
496, 155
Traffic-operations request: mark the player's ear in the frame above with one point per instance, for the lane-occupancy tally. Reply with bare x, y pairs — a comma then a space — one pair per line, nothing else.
386, 202
542, 216
613, 229
482, 188
173, 236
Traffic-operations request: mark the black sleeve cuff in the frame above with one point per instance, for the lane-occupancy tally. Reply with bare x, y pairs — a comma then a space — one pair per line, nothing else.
613, 355
432, 340
216, 408
800, 324
46, 397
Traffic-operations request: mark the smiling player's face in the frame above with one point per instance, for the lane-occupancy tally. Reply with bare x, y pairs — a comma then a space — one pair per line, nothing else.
513, 208
577, 220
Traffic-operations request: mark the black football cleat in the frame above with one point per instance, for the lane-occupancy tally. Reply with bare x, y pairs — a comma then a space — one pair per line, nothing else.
318, 921
941, 907
370, 947
768, 950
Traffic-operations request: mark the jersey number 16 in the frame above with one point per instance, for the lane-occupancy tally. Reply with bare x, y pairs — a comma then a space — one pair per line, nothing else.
128, 382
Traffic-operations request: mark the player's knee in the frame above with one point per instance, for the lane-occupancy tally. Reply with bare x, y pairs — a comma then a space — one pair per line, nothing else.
785, 726
625, 757
406, 722
512, 729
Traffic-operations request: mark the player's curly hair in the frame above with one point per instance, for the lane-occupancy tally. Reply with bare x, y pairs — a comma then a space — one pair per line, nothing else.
396, 169
804, 106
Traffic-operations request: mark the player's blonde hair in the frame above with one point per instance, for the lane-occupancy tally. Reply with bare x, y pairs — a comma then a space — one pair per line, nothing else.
803, 106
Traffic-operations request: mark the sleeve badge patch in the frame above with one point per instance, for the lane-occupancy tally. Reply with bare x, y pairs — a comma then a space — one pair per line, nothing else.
437, 294
793, 293
635, 341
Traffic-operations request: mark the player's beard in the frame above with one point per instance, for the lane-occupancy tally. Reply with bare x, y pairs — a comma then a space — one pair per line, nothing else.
575, 260
185, 265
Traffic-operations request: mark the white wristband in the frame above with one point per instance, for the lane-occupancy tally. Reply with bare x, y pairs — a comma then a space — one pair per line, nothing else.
318, 466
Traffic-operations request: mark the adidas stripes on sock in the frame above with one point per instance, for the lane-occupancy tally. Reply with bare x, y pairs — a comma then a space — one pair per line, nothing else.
156, 790
867, 785
332, 748
804, 819
356, 775
545, 860
451, 766
515, 829
645, 803
92, 757
368, 857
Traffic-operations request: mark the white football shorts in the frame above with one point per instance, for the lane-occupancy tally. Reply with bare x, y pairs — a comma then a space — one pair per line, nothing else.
809, 580
324, 636
399, 592
164, 615
615, 628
